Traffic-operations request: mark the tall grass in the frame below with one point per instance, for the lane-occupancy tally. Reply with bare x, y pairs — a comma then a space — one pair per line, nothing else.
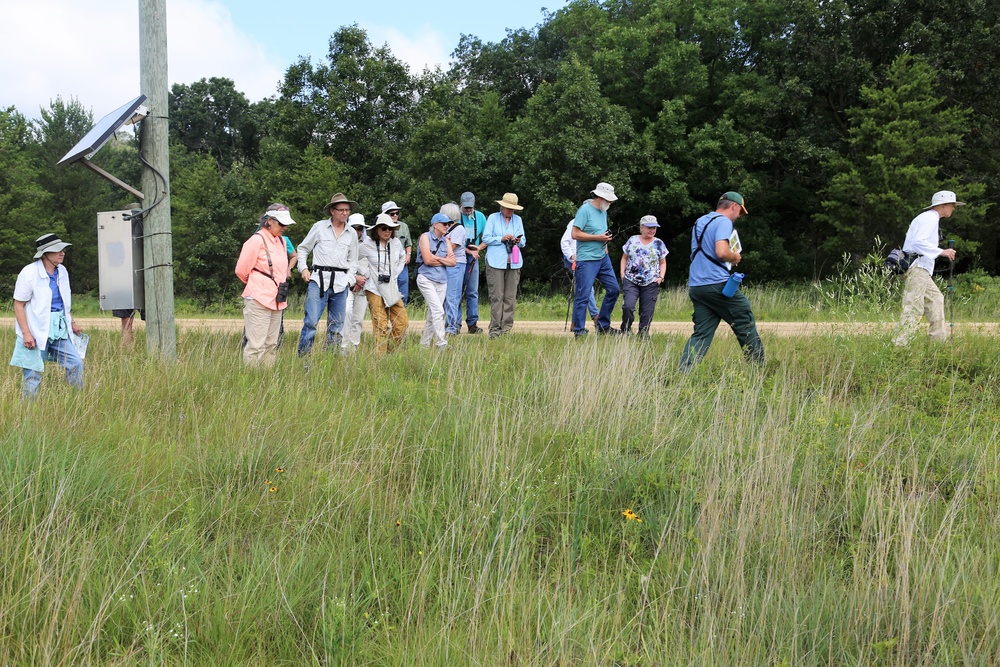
836, 507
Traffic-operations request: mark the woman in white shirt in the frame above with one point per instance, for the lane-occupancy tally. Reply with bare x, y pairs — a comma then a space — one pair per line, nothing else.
385, 255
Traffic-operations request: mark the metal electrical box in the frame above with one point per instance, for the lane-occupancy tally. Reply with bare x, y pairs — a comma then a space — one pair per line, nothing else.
119, 260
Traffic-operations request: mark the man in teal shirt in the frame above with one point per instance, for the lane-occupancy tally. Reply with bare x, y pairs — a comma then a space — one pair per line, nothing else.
590, 231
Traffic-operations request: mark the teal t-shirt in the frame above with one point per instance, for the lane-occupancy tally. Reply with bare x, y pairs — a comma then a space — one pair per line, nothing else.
592, 221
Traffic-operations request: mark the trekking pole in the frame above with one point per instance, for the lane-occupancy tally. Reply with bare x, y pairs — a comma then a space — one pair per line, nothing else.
951, 288
572, 293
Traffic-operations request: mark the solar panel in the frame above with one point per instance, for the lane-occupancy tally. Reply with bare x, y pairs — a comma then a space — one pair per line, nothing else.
102, 131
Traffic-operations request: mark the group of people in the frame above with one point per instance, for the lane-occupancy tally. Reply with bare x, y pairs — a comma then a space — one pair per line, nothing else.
358, 267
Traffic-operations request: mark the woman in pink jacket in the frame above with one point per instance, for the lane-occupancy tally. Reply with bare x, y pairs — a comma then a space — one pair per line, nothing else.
263, 268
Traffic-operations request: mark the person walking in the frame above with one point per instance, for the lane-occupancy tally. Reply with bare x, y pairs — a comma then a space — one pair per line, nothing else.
591, 233
263, 267
43, 318
643, 267
921, 297
711, 250
504, 239
568, 247
436, 256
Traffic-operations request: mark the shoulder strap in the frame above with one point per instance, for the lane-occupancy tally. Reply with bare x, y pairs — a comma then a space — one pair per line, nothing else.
270, 267
701, 250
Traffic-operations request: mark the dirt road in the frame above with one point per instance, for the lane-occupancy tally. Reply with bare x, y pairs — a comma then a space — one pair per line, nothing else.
555, 328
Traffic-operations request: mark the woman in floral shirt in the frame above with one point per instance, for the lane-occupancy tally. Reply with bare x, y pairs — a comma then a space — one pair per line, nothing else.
643, 266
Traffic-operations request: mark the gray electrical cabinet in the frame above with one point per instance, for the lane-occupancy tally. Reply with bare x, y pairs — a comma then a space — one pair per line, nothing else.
119, 260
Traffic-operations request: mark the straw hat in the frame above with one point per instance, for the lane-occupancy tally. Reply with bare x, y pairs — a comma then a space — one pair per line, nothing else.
510, 201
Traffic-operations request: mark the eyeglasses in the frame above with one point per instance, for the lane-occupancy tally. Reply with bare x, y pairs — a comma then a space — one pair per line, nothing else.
393, 213
382, 228
342, 210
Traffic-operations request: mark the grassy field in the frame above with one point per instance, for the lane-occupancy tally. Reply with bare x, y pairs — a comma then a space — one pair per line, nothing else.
525, 501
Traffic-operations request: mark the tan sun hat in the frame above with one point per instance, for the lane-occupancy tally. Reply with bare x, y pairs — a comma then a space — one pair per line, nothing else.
510, 201
339, 198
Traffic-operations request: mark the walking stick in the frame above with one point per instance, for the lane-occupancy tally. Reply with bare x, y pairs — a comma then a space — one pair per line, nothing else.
572, 293
951, 288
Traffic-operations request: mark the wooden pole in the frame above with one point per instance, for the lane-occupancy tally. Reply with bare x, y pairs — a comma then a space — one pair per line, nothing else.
161, 334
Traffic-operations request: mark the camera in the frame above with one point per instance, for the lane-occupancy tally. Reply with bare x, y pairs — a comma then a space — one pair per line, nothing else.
382, 278
282, 295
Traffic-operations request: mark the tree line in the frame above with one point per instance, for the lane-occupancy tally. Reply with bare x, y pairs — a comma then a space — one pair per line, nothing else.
837, 120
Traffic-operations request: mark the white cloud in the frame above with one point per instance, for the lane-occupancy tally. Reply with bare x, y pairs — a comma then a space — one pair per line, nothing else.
89, 50
425, 48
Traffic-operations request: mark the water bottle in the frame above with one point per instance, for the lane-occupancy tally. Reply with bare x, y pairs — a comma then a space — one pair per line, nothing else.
732, 285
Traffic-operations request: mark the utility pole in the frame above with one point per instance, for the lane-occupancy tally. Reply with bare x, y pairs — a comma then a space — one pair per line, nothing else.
161, 334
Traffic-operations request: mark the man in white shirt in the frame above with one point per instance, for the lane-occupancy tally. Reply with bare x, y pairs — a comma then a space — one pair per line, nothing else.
920, 295
334, 248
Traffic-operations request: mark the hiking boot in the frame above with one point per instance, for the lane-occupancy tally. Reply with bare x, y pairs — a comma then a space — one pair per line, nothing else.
475, 329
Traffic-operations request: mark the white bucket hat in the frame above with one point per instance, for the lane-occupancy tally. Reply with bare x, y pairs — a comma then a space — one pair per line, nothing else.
389, 206
605, 191
384, 219
357, 220
944, 197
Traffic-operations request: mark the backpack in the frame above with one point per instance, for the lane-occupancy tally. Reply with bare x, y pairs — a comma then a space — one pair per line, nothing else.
899, 262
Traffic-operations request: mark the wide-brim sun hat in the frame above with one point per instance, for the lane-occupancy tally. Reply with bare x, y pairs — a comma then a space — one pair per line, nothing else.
510, 201
737, 198
383, 219
390, 206
944, 197
49, 243
605, 191
648, 221
339, 198
283, 217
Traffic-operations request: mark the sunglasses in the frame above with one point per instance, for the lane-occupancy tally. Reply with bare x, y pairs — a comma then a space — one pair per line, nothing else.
382, 228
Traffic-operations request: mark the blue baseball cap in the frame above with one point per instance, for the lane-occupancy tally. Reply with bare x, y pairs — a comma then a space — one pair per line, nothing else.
441, 217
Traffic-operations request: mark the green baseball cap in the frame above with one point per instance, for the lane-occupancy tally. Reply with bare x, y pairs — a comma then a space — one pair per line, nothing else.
735, 197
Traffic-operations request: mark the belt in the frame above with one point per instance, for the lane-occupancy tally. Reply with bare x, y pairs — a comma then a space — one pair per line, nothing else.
330, 269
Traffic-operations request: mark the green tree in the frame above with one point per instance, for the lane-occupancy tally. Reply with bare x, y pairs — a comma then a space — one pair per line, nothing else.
211, 116
569, 139
898, 139
355, 106
26, 205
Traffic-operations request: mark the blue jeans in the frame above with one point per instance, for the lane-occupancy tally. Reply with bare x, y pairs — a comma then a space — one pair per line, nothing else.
403, 282
472, 292
335, 304
64, 353
453, 298
592, 304
586, 273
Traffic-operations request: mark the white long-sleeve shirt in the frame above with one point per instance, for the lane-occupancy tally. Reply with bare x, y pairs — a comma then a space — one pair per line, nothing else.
329, 249
381, 261
567, 243
923, 238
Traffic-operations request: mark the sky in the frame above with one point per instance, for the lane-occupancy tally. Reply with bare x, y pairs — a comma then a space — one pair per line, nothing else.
89, 49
